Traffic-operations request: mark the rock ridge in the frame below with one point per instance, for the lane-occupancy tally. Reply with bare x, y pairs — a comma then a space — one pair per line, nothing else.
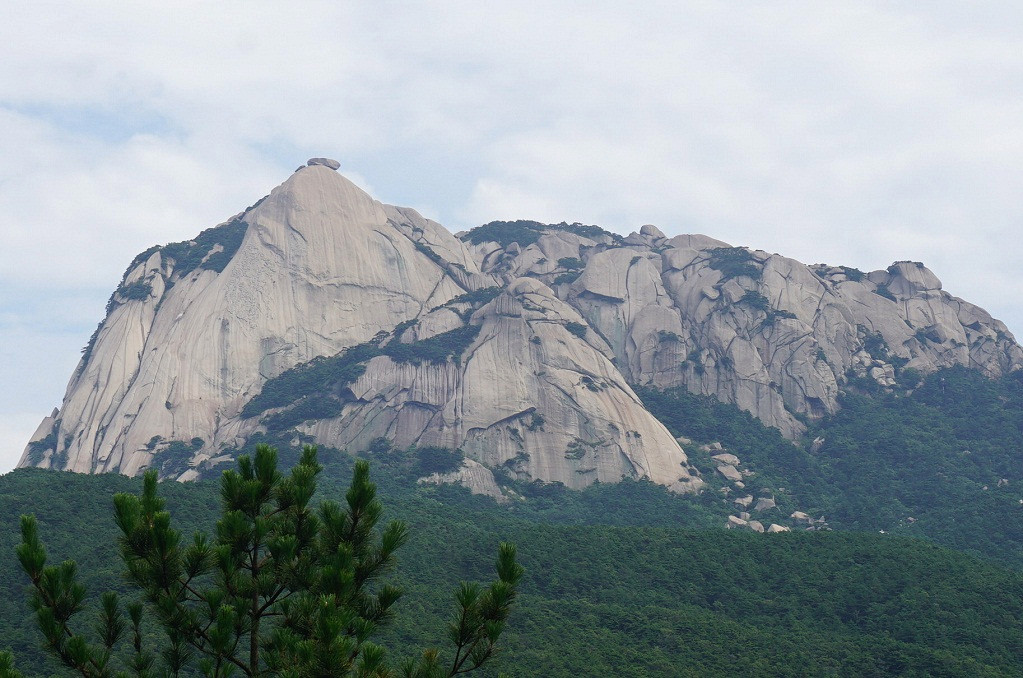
775, 337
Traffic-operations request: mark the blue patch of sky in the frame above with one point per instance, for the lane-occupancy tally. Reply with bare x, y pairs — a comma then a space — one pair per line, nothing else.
51, 311
428, 179
441, 184
281, 152
111, 125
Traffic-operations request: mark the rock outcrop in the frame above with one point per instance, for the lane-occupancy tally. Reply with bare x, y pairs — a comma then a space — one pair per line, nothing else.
320, 266
527, 395
473, 475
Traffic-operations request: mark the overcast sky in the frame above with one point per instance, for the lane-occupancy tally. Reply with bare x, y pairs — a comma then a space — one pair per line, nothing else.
848, 133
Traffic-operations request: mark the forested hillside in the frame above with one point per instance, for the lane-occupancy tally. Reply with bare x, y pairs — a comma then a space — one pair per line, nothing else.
609, 600
938, 458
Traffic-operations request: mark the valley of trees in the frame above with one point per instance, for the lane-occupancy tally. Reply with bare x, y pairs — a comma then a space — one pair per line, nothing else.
284, 588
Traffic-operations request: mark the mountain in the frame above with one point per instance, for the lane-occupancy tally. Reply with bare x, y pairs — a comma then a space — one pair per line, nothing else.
320, 314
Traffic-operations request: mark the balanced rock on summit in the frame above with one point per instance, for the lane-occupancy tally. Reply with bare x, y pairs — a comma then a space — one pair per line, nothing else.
326, 162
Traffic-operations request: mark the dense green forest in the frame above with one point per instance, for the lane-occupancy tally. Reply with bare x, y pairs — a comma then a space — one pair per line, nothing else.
602, 599
940, 461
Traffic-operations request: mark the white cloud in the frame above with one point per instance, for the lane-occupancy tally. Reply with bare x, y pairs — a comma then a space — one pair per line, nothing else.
854, 133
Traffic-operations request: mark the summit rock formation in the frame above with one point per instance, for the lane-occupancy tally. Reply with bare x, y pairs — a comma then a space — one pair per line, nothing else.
323, 314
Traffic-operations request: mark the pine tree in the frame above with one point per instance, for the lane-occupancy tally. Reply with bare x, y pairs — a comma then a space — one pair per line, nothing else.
282, 589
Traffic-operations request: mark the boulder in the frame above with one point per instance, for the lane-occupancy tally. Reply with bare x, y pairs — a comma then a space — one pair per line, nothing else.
764, 504
909, 278
651, 231
727, 458
777, 528
744, 501
729, 472
326, 162
756, 526
472, 475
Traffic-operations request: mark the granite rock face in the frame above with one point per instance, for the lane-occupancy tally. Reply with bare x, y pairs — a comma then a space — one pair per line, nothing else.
527, 395
321, 266
197, 329
560, 322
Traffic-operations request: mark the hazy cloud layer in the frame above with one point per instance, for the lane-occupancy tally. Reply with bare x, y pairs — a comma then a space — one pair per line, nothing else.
854, 133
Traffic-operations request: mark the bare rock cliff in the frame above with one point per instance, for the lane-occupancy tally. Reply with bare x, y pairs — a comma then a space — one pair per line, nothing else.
320, 266
527, 394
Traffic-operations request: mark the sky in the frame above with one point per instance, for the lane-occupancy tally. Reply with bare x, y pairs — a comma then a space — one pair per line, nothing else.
831, 132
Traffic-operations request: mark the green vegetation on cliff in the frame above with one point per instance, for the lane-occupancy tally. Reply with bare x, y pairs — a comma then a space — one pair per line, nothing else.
525, 232
318, 387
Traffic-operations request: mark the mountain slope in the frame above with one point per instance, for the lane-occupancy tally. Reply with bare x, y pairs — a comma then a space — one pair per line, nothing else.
184, 346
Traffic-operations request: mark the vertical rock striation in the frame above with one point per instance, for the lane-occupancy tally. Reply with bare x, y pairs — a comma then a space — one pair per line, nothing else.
196, 329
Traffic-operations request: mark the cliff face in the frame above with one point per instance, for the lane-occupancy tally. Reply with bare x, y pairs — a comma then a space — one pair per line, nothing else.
516, 343
526, 394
